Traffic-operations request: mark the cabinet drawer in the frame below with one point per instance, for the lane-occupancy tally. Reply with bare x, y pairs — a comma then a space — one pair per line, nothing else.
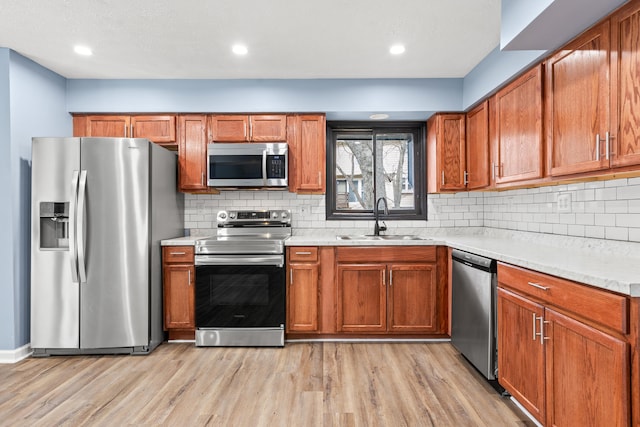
386, 253
177, 254
606, 308
303, 253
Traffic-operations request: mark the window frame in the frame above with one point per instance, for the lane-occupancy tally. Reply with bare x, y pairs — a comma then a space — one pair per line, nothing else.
418, 129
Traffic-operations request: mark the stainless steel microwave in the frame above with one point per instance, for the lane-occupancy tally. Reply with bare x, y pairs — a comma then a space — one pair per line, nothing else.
251, 164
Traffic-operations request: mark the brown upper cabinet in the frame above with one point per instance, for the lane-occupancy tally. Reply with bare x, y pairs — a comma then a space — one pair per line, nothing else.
625, 75
244, 128
591, 96
192, 153
577, 104
160, 129
446, 158
517, 132
307, 153
477, 132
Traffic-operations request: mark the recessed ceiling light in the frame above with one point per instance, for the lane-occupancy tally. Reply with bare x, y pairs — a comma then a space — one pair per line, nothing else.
379, 116
82, 50
397, 49
239, 49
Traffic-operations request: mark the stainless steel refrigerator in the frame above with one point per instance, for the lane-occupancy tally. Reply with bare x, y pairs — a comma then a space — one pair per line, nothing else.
99, 208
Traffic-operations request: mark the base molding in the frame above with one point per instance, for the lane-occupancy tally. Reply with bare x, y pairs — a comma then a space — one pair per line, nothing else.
14, 356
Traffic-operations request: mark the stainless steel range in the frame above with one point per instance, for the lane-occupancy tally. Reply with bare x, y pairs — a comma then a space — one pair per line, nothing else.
240, 280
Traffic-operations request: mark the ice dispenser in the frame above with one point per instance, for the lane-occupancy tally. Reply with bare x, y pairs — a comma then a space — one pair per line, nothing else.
54, 225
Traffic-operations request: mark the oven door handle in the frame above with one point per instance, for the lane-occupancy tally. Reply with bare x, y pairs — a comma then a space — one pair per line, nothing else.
277, 260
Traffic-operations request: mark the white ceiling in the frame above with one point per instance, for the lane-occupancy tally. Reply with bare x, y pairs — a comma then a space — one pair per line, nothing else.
287, 39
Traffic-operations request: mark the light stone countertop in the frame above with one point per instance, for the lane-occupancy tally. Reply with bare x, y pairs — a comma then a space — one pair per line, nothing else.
180, 241
604, 264
613, 266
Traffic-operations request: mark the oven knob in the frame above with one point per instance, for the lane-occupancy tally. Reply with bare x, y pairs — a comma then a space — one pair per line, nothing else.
284, 215
222, 215
232, 215
274, 215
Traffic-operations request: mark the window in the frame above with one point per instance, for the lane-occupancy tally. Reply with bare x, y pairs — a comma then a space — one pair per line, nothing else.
366, 163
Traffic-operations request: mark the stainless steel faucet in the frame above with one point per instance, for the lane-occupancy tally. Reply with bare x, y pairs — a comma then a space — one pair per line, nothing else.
377, 228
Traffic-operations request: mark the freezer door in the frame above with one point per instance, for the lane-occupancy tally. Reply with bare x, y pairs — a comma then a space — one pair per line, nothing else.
113, 243
54, 296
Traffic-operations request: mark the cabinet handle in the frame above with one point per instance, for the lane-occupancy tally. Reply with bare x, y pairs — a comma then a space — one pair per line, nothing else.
466, 178
597, 146
131, 131
493, 171
202, 178
442, 177
384, 280
303, 253
542, 337
291, 277
390, 277
534, 327
538, 286
125, 130
189, 277
607, 148
178, 253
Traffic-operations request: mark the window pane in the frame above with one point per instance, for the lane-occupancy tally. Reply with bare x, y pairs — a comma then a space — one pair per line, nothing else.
394, 175
354, 171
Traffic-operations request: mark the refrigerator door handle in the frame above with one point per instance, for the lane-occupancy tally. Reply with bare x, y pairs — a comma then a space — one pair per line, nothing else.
73, 252
81, 214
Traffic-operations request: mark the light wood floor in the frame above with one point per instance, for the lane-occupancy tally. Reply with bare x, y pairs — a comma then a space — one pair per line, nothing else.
304, 384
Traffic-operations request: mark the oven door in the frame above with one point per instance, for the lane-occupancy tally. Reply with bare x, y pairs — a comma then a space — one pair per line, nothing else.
240, 291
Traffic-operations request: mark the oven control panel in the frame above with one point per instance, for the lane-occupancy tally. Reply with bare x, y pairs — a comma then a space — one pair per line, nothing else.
254, 218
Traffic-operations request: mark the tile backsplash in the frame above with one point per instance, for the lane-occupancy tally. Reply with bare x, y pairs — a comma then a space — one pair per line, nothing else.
598, 209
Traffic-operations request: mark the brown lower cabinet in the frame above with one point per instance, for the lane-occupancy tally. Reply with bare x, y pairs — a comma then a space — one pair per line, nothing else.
563, 349
178, 272
353, 291
302, 289
389, 290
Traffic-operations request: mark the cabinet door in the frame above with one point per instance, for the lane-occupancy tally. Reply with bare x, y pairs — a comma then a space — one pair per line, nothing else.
625, 75
159, 129
231, 128
192, 152
518, 133
179, 296
362, 298
308, 149
577, 103
108, 126
412, 298
588, 374
477, 132
446, 152
302, 298
521, 369
268, 128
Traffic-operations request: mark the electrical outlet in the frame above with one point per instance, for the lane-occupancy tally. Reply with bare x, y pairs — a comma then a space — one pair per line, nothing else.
564, 202
305, 209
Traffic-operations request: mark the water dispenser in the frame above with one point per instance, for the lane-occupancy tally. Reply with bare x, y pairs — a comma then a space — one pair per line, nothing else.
54, 225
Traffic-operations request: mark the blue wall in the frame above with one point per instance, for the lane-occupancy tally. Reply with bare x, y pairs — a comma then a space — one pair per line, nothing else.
7, 310
36, 100
339, 98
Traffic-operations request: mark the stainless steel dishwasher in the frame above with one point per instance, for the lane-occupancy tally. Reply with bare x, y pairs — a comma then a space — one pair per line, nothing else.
473, 310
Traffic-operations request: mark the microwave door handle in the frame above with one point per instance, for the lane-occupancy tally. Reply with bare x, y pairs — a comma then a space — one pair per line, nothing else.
73, 252
264, 167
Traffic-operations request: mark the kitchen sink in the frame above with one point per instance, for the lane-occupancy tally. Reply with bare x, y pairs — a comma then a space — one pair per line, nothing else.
383, 237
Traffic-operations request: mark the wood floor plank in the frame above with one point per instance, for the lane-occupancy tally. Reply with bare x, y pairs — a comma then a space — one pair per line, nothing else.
303, 384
